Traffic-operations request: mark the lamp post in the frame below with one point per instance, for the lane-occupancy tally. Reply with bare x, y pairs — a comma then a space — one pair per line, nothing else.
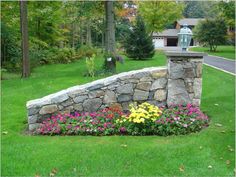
184, 37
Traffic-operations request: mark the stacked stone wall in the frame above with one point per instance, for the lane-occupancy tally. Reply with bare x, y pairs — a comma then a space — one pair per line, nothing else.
180, 82
146, 85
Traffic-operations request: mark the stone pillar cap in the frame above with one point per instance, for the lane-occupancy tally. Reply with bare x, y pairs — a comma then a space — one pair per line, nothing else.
185, 54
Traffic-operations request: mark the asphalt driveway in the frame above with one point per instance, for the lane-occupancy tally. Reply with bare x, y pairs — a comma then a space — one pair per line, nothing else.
221, 63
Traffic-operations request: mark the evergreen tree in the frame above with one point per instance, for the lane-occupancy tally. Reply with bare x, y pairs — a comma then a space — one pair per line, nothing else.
138, 43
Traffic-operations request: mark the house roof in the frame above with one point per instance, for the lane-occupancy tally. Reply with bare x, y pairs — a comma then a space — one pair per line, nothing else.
174, 32
167, 32
189, 21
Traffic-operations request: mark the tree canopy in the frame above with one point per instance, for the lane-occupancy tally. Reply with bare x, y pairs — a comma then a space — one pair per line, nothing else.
211, 32
157, 14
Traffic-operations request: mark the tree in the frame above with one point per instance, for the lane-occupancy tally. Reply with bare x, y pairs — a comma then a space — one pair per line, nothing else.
157, 14
211, 32
25, 42
227, 12
138, 44
45, 19
200, 9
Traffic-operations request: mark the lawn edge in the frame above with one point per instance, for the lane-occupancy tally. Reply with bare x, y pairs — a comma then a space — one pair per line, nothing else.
220, 69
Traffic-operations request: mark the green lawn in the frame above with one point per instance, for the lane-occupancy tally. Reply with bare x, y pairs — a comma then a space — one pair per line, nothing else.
24, 155
221, 51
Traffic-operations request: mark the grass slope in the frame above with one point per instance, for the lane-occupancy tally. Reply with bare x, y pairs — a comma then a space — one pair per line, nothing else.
222, 51
24, 155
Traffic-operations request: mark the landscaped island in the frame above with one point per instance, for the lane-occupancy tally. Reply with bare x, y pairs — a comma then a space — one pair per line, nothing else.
179, 83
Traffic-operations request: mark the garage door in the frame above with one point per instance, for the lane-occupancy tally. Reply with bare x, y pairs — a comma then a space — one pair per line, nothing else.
158, 42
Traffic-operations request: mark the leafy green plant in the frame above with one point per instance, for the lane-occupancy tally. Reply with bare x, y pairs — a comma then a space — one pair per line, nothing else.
90, 65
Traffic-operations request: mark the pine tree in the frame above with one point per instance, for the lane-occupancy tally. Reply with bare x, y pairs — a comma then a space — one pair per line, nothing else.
138, 44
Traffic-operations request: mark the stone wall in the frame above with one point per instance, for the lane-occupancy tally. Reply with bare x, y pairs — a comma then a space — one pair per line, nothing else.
180, 82
141, 85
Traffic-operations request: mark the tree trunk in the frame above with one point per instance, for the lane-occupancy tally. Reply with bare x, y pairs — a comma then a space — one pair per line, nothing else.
3, 51
38, 27
73, 35
102, 41
61, 42
103, 34
110, 64
24, 40
110, 28
81, 32
88, 34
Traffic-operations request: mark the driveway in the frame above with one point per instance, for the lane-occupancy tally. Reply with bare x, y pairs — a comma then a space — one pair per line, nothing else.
220, 63
213, 61
174, 48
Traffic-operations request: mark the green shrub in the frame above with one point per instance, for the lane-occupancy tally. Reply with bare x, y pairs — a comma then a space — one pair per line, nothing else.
56, 55
90, 65
86, 51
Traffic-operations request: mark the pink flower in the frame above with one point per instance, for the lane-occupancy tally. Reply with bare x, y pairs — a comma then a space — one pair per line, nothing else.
122, 129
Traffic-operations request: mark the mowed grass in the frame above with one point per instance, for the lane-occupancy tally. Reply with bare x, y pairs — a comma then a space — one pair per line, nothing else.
225, 51
24, 155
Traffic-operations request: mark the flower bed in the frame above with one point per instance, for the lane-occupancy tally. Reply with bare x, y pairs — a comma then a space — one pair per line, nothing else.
144, 119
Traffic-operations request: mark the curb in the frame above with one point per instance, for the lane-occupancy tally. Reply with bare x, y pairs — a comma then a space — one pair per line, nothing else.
221, 57
220, 69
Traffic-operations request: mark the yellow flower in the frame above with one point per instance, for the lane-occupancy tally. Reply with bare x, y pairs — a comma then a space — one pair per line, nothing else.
142, 112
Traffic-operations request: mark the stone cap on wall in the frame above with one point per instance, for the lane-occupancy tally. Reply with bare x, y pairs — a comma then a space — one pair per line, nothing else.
185, 54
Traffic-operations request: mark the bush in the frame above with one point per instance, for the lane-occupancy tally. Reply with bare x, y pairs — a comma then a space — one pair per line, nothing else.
87, 51
59, 55
138, 44
145, 119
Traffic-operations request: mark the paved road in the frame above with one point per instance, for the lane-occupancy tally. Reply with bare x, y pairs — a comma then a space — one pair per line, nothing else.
214, 61
227, 65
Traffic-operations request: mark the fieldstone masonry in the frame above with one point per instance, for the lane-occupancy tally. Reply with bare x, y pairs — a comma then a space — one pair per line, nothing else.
184, 77
180, 82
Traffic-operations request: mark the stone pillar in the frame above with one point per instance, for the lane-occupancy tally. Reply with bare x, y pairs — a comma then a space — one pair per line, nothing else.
184, 77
